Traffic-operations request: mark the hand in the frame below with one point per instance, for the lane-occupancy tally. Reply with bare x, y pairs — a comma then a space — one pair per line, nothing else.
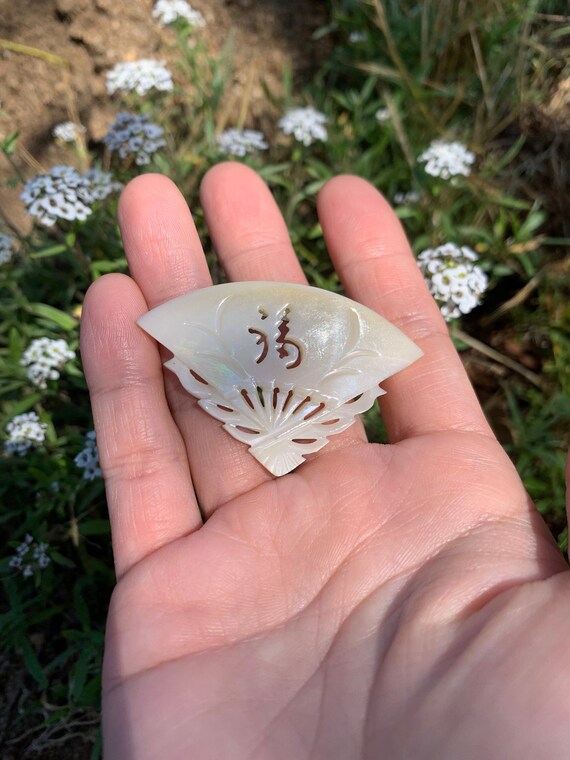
399, 601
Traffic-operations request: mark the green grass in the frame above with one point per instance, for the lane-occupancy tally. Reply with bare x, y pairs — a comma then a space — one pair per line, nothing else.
472, 72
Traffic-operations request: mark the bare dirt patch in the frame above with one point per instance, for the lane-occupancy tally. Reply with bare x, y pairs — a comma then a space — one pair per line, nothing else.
38, 91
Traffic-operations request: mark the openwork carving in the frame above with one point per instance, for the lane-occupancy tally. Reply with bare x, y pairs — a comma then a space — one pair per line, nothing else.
283, 367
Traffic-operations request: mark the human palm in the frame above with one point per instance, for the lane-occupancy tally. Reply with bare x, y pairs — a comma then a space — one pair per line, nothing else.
398, 601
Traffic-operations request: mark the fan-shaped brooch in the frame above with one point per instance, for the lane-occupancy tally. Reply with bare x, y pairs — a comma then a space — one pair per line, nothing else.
282, 366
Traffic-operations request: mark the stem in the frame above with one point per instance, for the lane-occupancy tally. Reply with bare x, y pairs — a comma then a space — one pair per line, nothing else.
394, 53
83, 260
496, 356
16, 168
17, 47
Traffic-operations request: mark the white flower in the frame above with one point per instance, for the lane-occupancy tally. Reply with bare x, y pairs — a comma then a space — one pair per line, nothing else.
44, 358
55, 195
97, 185
167, 11
68, 131
411, 196
134, 135
454, 280
139, 76
24, 431
39, 554
356, 37
88, 458
30, 555
64, 193
6, 248
447, 159
238, 142
306, 124
382, 115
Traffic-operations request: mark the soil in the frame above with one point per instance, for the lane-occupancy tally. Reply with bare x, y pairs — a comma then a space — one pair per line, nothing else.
89, 36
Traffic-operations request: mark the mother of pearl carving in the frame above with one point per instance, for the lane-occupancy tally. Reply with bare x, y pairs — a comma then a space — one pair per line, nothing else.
282, 366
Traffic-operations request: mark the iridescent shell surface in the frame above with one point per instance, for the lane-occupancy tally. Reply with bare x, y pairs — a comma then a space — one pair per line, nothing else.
282, 366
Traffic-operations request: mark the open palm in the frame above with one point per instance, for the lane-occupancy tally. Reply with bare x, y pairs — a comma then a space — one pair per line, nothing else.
398, 601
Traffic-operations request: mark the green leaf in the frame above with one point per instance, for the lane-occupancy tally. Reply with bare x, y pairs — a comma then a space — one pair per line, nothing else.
368, 88
60, 318
15, 344
508, 202
81, 608
502, 270
267, 172
59, 660
103, 267
80, 674
94, 527
512, 153
322, 31
8, 144
459, 344
313, 187
32, 663
24, 404
7, 388
91, 694
53, 250
59, 559
97, 750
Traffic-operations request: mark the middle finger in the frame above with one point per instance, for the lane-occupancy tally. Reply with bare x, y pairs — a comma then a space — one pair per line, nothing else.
166, 260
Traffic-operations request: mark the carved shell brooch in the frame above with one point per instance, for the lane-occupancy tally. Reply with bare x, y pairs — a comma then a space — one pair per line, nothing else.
282, 366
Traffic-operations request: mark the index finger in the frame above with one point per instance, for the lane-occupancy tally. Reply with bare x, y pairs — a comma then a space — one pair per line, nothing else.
372, 256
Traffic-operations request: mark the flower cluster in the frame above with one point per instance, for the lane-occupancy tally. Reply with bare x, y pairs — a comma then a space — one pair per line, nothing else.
68, 131
134, 135
24, 431
410, 196
447, 159
454, 280
6, 248
168, 11
306, 124
44, 358
97, 185
139, 76
64, 193
382, 115
29, 556
239, 142
88, 458
56, 194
